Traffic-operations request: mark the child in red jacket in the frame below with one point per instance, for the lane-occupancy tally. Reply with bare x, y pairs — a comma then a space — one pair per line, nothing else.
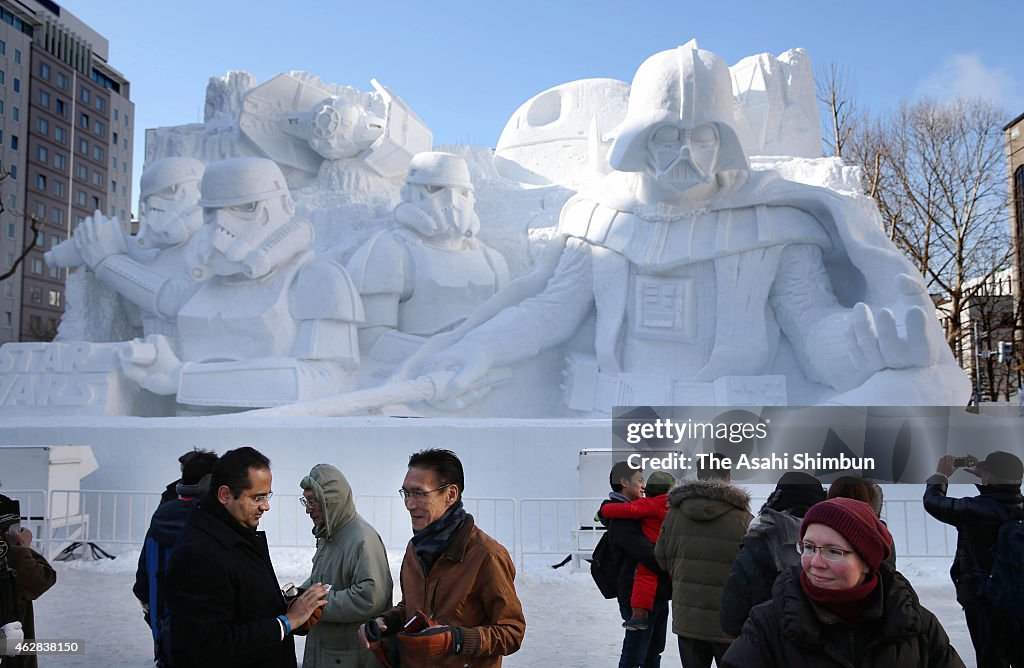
651, 511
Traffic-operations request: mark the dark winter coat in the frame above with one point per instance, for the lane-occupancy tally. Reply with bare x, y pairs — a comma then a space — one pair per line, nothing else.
223, 595
632, 548
35, 577
977, 520
895, 631
768, 548
699, 540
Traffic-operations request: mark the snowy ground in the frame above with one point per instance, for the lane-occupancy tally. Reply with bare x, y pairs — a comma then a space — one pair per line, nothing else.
568, 623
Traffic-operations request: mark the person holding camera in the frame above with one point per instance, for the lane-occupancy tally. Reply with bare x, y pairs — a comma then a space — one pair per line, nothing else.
33, 576
459, 604
996, 636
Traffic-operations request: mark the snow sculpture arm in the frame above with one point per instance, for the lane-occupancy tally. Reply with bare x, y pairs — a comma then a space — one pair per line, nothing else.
381, 271
844, 347
326, 308
521, 331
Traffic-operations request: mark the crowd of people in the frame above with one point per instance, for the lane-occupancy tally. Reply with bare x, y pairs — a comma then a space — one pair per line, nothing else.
211, 597
812, 579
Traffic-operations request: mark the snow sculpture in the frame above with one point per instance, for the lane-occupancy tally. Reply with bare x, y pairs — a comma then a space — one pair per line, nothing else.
272, 324
707, 282
148, 270
426, 275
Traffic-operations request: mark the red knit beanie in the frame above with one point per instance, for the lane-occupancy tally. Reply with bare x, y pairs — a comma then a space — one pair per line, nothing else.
857, 523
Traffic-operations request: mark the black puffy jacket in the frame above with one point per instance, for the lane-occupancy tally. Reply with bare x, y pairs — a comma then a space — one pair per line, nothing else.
634, 548
977, 520
895, 631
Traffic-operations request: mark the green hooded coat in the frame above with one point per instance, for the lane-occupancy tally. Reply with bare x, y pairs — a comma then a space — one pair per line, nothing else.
351, 557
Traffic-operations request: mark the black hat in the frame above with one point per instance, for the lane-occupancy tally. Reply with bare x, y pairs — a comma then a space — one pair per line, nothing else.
1002, 466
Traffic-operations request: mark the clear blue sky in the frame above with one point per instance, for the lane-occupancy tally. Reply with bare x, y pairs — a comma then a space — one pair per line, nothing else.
465, 66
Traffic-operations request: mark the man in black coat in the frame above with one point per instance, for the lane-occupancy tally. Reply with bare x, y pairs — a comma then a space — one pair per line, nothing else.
225, 605
165, 528
997, 639
640, 648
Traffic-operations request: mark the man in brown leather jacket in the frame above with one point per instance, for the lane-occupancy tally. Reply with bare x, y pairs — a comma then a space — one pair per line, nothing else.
459, 604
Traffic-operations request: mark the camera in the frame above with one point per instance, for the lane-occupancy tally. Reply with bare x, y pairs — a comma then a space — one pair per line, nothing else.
416, 623
963, 462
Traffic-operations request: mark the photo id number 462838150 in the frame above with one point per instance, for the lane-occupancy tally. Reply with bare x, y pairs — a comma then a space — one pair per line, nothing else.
26, 647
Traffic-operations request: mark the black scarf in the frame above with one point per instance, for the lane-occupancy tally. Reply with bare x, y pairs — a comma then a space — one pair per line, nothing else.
430, 542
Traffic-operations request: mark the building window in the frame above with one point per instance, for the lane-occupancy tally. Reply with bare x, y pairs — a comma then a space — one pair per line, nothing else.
8, 289
40, 182
40, 238
83, 120
14, 142
83, 147
116, 118
35, 294
43, 126
113, 162
124, 167
17, 85
37, 266
10, 260
3, 48
10, 230
14, 172
15, 114
124, 190
62, 108
44, 99
17, 56
84, 95
55, 272
96, 204
1, 107
40, 210
57, 216
115, 138
97, 179
44, 71
60, 135
126, 120
58, 188
97, 153
101, 103
80, 197
113, 188
100, 129
42, 155
124, 143
81, 172
54, 298
35, 323
62, 81
8, 322
59, 161
3, 78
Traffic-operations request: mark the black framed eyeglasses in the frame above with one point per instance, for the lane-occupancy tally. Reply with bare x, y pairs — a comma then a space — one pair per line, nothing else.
828, 552
416, 494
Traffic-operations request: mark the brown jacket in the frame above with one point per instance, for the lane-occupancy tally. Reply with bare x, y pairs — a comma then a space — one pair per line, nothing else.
35, 576
471, 586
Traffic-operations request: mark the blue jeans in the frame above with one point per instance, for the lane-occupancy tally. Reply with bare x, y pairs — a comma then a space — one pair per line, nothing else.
642, 649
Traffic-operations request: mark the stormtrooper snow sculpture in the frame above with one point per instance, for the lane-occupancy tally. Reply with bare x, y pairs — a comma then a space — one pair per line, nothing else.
708, 283
425, 276
272, 324
148, 270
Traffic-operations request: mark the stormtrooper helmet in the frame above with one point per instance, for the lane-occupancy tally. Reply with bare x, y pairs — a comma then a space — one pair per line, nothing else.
245, 202
169, 212
438, 197
679, 122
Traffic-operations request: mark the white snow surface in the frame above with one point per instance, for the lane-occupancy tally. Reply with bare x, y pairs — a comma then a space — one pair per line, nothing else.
568, 623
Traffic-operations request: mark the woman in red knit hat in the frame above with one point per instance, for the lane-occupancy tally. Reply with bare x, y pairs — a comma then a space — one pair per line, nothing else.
842, 606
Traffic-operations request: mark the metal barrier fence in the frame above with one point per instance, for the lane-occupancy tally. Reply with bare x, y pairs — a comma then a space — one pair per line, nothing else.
121, 518
554, 527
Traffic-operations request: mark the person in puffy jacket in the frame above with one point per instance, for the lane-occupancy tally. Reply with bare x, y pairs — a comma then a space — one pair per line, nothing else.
768, 548
842, 606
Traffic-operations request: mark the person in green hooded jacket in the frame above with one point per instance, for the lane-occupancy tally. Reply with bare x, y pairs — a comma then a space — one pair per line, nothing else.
351, 557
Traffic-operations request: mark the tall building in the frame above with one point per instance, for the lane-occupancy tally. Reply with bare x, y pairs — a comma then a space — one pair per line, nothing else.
1014, 131
66, 121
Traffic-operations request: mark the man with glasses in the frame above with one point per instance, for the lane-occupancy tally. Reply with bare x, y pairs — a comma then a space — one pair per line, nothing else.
350, 557
459, 602
226, 608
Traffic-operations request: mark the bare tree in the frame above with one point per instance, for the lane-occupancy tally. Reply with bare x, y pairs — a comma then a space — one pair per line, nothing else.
942, 193
833, 89
34, 223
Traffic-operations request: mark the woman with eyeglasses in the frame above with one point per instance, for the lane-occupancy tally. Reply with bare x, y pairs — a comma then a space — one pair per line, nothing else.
842, 606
